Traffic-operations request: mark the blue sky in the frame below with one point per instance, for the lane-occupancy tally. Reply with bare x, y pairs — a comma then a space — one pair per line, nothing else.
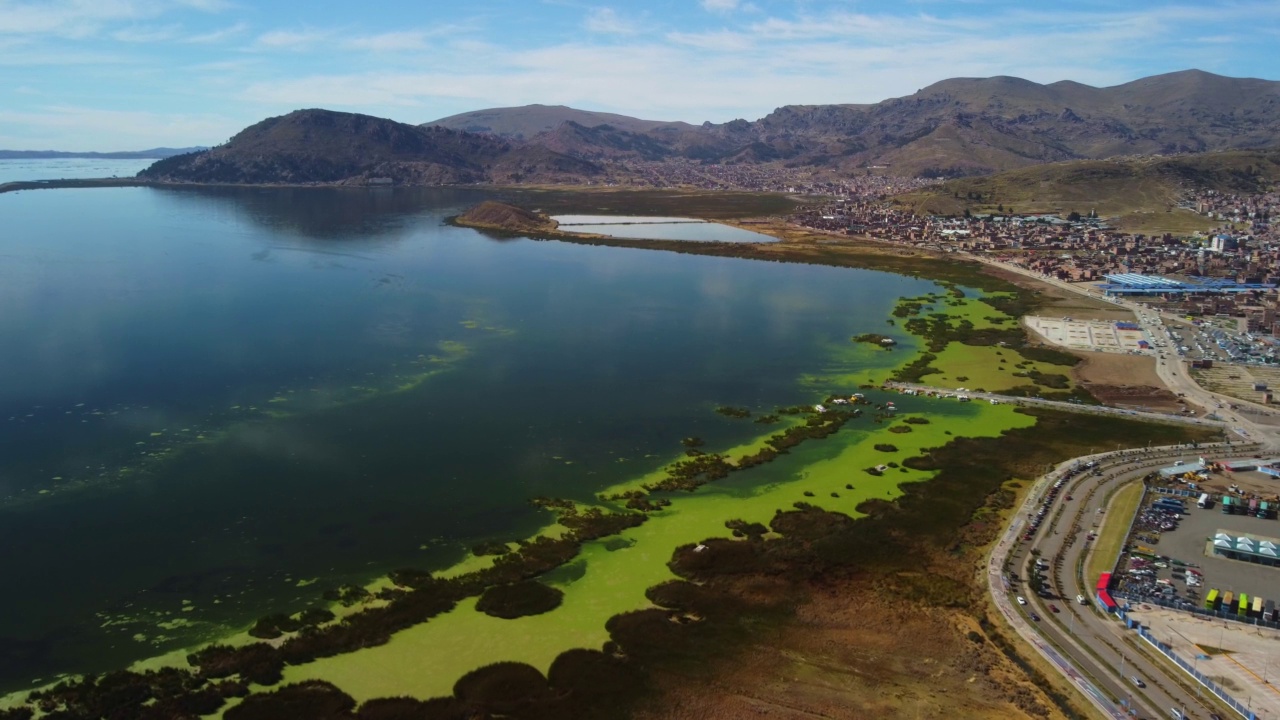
129, 74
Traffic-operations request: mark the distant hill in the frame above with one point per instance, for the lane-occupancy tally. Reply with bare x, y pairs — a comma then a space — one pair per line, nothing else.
956, 127
522, 123
157, 153
322, 146
1125, 188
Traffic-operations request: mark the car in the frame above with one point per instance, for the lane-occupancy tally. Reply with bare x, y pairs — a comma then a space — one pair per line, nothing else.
1053, 607
1035, 617
1022, 600
1138, 681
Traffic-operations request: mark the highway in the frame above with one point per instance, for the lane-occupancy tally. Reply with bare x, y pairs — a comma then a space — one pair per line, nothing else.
1094, 643
1090, 649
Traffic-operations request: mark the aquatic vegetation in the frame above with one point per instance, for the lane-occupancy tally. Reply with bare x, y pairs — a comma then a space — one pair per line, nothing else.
874, 339
519, 600
491, 547
733, 412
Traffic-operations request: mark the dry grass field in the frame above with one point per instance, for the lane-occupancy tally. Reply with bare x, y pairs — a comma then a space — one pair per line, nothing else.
1237, 380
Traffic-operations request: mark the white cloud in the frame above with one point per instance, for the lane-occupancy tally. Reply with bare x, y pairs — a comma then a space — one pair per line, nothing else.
389, 42
68, 18
217, 36
147, 33
607, 21
211, 6
720, 6
291, 39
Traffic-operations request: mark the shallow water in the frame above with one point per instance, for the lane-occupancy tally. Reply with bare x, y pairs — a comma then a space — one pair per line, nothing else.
658, 228
215, 403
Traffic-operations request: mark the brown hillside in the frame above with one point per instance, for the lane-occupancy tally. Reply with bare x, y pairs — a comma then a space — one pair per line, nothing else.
494, 215
310, 146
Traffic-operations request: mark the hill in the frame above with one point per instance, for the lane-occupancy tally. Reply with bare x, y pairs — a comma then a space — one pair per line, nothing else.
322, 146
522, 123
1141, 192
494, 215
957, 127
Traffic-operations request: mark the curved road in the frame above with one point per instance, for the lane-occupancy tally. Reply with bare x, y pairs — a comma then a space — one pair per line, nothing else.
1095, 643
1086, 646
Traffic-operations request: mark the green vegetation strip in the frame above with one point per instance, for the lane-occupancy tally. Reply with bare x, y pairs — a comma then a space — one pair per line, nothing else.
1115, 527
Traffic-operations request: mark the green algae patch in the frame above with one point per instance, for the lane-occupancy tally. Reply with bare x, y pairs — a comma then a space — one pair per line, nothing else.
612, 575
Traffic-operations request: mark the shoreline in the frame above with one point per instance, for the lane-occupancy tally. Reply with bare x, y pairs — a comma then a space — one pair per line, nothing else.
795, 252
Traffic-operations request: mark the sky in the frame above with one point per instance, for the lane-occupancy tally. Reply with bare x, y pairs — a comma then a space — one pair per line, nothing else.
132, 74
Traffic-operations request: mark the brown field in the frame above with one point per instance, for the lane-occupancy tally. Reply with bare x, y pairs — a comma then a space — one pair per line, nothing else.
1237, 380
849, 654
1125, 381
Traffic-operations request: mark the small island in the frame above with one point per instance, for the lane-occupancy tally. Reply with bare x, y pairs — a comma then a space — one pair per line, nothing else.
493, 215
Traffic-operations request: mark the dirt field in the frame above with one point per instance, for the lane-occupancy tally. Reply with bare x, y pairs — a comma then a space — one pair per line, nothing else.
1125, 381
1237, 380
851, 655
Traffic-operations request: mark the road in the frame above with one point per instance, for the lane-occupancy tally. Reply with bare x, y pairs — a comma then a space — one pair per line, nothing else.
1089, 648
1173, 370
1096, 645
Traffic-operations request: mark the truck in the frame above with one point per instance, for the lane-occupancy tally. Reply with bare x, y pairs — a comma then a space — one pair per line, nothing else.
1253, 508
1228, 505
1228, 602
1242, 608
1266, 510
1256, 611
1211, 600
1205, 501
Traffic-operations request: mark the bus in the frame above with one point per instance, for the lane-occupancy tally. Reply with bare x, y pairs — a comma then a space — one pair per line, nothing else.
1256, 612
1228, 602
1211, 600
1243, 609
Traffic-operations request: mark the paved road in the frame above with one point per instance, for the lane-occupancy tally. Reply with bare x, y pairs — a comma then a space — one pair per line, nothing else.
1172, 370
1064, 543
1084, 644
1097, 661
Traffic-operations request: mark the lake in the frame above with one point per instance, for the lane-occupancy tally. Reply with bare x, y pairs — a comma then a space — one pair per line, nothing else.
658, 228
13, 170
215, 403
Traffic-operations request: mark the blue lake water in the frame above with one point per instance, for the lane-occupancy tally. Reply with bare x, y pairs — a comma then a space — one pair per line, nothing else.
215, 403
65, 168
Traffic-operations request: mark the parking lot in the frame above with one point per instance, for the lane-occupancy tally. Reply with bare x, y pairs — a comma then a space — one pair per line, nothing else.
1186, 539
1097, 335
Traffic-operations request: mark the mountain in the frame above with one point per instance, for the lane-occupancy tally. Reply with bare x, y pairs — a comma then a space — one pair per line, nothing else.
956, 127
522, 123
322, 146
158, 153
